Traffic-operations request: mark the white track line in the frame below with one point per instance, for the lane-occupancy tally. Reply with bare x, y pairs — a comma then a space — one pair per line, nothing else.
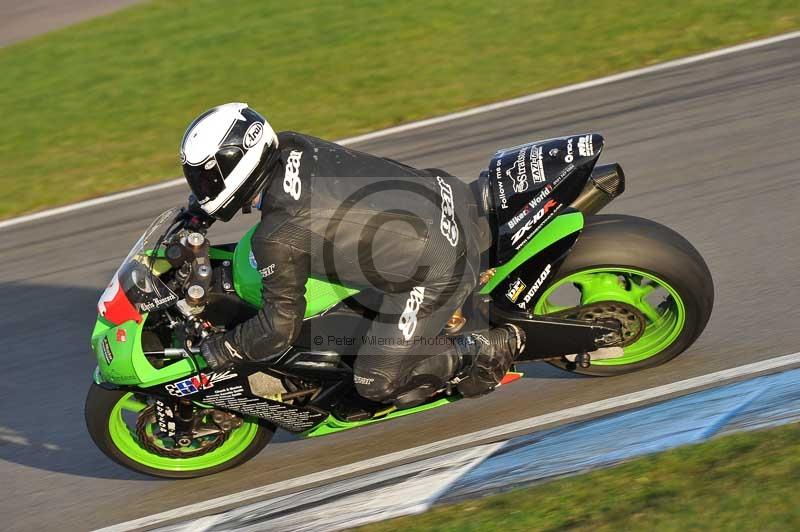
436, 120
474, 438
91, 203
402, 490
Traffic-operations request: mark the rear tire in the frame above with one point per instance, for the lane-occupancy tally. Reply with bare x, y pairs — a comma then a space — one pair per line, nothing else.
102, 409
622, 243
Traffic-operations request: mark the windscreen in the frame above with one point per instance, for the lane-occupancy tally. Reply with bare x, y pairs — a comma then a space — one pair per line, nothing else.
135, 288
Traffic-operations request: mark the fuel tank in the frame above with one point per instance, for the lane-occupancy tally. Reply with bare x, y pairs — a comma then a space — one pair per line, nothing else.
530, 184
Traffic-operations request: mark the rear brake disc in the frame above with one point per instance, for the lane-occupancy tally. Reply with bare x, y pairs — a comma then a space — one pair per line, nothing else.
631, 321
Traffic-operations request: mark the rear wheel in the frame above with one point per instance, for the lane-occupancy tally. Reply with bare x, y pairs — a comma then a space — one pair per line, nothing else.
123, 426
652, 271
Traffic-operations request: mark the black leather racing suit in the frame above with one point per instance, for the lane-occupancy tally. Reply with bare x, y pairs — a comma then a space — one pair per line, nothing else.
365, 221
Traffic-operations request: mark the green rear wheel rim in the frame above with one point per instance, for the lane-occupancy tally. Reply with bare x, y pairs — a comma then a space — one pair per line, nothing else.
663, 323
124, 437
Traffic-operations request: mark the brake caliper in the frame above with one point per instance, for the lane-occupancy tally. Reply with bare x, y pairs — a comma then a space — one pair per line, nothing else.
180, 430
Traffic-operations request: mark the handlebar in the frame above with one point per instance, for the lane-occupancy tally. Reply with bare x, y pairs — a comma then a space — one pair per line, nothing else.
173, 352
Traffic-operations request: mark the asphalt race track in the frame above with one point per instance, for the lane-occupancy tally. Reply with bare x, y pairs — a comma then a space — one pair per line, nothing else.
21, 20
710, 149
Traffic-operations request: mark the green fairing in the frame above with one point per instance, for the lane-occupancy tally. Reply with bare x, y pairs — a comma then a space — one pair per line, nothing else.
213, 253
129, 365
560, 227
331, 425
320, 295
219, 254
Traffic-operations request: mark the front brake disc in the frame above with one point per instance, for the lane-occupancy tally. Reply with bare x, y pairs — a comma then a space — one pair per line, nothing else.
153, 441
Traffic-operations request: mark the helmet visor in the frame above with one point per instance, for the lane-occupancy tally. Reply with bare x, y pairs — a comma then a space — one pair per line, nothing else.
227, 158
206, 184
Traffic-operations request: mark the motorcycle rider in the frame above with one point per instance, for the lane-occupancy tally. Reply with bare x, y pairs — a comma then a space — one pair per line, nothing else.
359, 220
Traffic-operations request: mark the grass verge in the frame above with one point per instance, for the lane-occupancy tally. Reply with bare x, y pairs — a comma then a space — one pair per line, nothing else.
746, 481
101, 106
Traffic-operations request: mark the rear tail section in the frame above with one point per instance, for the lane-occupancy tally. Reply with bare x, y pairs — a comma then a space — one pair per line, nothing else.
534, 196
525, 187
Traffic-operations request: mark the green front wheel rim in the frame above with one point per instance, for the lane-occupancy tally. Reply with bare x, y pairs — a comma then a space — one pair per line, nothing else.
125, 439
664, 322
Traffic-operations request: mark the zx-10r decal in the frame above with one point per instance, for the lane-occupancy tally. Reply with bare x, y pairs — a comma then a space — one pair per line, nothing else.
530, 205
550, 207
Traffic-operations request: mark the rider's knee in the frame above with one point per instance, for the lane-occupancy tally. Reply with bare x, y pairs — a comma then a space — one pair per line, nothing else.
375, 387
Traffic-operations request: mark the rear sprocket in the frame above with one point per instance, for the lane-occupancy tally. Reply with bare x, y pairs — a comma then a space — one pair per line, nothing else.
632, 322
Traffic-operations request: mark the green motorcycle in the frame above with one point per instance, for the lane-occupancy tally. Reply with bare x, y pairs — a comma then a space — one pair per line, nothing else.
595, 294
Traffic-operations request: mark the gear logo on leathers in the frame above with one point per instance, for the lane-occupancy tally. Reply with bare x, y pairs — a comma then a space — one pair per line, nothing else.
291, 178
448, 225
408, 320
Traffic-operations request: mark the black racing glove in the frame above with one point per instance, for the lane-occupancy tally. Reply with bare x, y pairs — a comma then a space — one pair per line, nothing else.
219, 353
194, 215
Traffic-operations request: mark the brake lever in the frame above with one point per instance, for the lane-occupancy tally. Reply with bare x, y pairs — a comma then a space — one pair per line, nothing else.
195, 217
173, 352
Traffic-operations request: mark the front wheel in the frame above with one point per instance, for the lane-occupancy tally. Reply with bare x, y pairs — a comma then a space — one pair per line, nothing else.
123, 426
650, 268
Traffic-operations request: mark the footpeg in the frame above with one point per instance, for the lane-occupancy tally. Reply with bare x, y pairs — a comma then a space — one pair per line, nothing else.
353, 408
604, 353
360, 415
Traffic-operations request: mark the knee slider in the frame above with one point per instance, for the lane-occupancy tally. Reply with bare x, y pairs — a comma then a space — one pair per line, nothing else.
374, 387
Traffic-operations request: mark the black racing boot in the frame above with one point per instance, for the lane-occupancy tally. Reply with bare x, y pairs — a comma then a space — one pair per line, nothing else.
428, 377
487, 356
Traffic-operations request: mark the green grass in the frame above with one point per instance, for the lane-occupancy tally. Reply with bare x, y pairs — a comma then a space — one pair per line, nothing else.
101, 106
747, 481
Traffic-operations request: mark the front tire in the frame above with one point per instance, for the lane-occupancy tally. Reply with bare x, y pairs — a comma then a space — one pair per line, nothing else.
109, 415
625, 258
